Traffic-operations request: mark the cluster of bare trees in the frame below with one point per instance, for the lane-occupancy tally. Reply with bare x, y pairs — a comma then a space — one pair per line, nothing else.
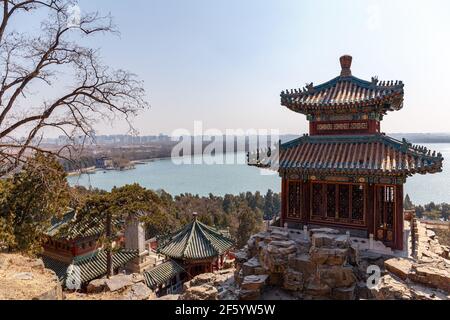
53, 59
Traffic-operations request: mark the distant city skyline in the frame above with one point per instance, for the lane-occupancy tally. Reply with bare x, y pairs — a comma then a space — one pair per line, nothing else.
122, 140
225, 63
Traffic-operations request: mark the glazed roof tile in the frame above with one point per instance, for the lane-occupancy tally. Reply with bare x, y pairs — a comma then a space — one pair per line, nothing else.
91, 267
195, 241
371, 154
162, 273
345, 92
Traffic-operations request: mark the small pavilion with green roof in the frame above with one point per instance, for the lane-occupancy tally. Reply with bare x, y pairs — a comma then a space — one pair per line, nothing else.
197, 247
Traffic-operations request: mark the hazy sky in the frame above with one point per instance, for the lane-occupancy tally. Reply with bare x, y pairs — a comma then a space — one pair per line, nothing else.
226, 62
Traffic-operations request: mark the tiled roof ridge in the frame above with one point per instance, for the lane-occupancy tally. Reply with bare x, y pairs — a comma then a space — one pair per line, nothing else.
91, 266
74, 228
310, 89
217, 233
212, 229
173, 234
345, 92
150, 277
217, 251
332, 139
93, 255
192, 226
404, 145
370, 154
186, 243
419, 151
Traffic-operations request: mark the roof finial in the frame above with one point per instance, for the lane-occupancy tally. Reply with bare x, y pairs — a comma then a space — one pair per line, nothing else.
346, 63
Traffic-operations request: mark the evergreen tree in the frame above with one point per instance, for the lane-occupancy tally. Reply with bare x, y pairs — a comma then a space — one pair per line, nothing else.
246, 222
445, 211
276, 204
113, 208
228, 203
29, 200
268, 205
407, 204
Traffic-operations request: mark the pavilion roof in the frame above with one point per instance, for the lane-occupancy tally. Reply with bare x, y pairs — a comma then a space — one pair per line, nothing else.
344, 94
91, 266
195, 241
70, 228
162, 273
367, 154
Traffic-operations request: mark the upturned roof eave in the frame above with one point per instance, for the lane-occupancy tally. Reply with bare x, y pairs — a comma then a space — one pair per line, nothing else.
431, 162
312, 108
390, 93
362, 172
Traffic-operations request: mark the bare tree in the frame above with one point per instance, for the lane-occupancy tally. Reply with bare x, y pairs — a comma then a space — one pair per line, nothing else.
34, 63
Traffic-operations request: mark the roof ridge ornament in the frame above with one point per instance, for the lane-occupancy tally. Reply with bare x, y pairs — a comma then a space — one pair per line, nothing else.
310, 87
346, 63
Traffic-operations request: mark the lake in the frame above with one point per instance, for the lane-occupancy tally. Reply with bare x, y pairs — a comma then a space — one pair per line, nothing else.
220, 179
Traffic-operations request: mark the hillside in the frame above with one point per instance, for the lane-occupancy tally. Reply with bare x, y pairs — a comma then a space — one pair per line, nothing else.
23, 278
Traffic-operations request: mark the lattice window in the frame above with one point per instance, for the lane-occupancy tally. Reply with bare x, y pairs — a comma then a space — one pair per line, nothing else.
294, 199
344, 201
317, 200
385, 212
357, 203
389, 201
331, 200
389, 194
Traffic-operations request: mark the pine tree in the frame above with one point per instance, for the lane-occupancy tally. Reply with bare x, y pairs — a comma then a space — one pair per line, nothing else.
30, 199
268, 205
407, 204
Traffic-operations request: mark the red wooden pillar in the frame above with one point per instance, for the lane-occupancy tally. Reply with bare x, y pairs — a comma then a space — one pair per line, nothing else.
312, 128
306, 202
370, 209
399, 217
283, 201
74, 248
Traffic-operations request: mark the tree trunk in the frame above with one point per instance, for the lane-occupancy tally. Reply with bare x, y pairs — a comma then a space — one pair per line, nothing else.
109, 264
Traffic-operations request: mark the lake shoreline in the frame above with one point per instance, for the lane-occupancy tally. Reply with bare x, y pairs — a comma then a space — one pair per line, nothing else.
202, 179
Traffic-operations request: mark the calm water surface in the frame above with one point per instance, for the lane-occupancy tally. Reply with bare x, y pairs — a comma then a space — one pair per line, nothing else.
220, 179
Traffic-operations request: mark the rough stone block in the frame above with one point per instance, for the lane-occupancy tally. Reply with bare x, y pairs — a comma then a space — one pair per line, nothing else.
241, 256
118, 282
293, 280
203, 292
391, 289
322, 240
433, 277
96, 286
336, 276
302, 264
399, 266
249, 267
275, 279
139, 291
317, 289
343, 293
330, 256
279, 234
254, 282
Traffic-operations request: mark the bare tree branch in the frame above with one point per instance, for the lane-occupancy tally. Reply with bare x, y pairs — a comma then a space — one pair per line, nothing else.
29, 63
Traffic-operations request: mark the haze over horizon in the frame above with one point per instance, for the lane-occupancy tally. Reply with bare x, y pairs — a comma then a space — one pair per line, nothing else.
225, 63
